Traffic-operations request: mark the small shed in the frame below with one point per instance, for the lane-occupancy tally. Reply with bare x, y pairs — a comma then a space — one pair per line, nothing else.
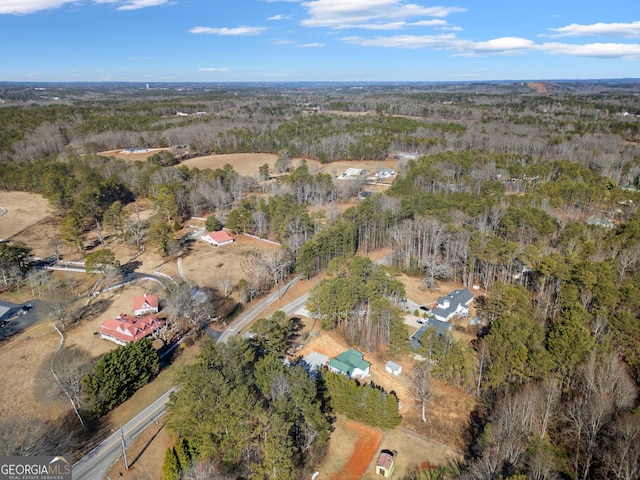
385, 463
393, 368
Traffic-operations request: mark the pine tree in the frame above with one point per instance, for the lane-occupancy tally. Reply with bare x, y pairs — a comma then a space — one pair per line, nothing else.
170, 465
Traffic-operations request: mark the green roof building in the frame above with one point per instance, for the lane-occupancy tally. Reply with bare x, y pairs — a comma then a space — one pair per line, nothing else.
351, 364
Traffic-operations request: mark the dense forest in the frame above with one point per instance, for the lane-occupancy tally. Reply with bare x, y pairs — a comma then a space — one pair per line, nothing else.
531, 197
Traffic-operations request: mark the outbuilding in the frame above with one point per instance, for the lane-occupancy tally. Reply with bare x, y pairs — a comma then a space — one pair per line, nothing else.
218, 238
385, 463
393, 368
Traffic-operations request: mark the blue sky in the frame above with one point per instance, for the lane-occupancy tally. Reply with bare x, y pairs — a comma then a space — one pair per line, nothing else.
317, 40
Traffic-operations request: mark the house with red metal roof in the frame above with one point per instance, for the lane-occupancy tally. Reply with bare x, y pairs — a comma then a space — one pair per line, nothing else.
217, 238
144, 304
127, 329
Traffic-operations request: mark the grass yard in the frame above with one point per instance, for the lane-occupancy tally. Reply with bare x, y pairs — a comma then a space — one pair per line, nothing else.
20, 210
351, 447
411, 450
205, 264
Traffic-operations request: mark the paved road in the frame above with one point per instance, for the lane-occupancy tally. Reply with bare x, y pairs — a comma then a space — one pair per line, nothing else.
97, 463
247, 316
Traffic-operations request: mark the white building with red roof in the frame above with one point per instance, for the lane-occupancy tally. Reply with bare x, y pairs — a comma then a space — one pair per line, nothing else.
145, 304
127, 329
218, 238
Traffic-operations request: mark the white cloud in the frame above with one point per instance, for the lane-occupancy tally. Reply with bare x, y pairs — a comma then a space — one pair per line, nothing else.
133, 4
399, 25
242, 30
213, 69
283, 42
596, 50
502, 46
280, 17
340, 14
311, 45
29, 6
32, 6
437, 42
497, 46
617, 30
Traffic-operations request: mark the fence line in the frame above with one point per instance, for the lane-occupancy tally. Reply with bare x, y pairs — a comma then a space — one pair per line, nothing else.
65, 269
259, 238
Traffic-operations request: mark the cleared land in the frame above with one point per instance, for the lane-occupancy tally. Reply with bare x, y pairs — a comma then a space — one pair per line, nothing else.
206, 265
20, 210
121, 154
411, 449
25, 375
351, 448
243, 163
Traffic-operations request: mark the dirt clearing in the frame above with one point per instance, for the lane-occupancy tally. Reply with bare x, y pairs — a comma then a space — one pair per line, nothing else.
137, 155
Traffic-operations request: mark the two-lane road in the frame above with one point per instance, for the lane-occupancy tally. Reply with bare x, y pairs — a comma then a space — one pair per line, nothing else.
97, 463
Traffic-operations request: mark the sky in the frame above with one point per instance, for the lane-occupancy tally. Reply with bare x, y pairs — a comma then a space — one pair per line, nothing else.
317, 40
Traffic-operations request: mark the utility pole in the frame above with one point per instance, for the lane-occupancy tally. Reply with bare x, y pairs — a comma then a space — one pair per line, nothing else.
124, 450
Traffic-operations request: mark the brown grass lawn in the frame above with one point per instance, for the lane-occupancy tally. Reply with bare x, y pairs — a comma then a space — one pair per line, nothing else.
246, 164
412, 449
249, 163
22, 210
145, 455
351, 447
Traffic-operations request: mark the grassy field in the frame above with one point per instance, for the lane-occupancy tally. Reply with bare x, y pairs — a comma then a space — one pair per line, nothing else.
19, 210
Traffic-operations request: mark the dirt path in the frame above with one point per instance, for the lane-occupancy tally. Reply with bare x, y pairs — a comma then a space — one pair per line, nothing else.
365, 447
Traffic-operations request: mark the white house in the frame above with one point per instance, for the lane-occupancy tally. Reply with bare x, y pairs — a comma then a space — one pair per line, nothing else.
352, 173
350, 363
455, 303
145, 304
218, 238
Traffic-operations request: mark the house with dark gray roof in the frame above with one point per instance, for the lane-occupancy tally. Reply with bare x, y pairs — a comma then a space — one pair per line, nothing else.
443, 328
9, 310
455, 303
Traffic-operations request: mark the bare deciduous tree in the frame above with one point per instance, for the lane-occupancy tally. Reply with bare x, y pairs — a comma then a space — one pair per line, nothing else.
68, 366
621, 460
421, 383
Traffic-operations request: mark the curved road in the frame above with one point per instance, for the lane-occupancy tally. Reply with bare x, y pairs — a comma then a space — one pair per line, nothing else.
97, 463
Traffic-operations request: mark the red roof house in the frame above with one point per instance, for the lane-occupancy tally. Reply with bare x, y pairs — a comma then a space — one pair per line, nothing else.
145, 304
218, 238
127, 329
